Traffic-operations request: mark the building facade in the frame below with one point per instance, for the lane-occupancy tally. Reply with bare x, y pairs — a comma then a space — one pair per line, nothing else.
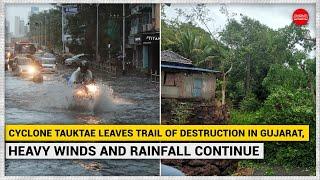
144, 36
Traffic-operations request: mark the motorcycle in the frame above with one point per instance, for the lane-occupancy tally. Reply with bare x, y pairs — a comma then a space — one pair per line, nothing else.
35, 73
86, 95
29, 71
37, 77
8, 56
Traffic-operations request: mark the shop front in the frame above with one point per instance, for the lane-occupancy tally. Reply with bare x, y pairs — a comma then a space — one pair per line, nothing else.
147, 51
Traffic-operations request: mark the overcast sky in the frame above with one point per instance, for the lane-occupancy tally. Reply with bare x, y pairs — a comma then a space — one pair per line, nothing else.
22, 10
275, 16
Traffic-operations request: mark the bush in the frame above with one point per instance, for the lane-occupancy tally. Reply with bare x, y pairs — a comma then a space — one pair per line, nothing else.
285, 106
281, 76
250, 103
181, 113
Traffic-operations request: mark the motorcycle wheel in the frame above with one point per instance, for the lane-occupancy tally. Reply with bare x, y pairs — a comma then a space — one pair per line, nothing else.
37, 79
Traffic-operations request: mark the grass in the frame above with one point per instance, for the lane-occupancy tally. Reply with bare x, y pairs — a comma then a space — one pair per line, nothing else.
240, 117
259, 168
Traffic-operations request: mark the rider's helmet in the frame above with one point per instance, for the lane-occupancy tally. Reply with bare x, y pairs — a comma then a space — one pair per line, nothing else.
84, 66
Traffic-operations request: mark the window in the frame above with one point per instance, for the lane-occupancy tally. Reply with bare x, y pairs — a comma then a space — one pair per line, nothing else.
169, 79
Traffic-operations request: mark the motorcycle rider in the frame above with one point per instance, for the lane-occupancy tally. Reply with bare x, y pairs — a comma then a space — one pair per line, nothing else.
82, 74
37, 64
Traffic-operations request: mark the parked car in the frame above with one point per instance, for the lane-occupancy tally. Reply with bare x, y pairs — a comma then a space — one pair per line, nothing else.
75, 60
38, 55
49, 63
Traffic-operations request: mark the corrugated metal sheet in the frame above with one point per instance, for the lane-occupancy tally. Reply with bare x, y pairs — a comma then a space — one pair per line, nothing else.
195, 69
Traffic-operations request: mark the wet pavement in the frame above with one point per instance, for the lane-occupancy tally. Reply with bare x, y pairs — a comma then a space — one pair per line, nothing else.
124, 100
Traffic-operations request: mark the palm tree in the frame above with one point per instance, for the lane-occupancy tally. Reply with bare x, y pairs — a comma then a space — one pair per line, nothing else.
203, 51
195, 47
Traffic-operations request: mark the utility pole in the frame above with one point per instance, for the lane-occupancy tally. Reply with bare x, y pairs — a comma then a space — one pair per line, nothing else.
62, 29
50, 34
37, 33
40, 34
123, 37
97, 33
45, 31
109, 56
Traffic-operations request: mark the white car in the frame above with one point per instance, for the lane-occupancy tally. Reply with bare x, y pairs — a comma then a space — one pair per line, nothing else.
23, 66
48, 61
38, 55
75, 59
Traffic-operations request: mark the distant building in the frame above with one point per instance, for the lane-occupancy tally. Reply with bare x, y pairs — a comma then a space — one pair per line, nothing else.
21, 28
17, 26
7, 26
34, 10
25, 29
144, 36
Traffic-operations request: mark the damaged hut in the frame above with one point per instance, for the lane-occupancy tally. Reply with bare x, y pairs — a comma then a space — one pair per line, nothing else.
188, 97
188, 92
180, 79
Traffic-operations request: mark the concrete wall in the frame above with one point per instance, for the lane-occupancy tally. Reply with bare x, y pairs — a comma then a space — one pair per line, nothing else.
184, 85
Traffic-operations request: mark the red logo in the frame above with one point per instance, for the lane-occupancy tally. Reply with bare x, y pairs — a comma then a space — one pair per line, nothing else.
300, 17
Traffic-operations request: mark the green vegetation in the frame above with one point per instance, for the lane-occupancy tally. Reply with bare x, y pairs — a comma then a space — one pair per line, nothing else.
81, 27
181, 111
50, 19
272, 79
243, 118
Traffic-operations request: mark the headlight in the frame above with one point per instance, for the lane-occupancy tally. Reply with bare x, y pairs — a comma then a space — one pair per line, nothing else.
92, 88
31, 70
8, 54
80, 93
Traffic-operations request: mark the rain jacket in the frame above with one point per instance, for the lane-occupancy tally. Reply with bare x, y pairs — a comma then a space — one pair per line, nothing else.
78, 77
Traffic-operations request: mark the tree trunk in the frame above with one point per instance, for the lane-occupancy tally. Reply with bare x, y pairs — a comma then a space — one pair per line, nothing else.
224, 86
223, 89
248, 76
313, 90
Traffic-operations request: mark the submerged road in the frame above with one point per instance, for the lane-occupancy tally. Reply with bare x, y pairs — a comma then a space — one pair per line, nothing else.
125, 100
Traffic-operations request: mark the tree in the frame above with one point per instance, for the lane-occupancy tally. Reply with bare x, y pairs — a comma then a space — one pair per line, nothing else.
196, 43
267, 72
82, 28
257, 47
251, 48
46, 23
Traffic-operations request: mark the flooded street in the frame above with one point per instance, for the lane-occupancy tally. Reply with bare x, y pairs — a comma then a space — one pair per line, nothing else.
124, 100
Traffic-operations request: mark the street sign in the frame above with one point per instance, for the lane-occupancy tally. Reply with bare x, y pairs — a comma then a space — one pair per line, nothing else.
147, 38
70, 10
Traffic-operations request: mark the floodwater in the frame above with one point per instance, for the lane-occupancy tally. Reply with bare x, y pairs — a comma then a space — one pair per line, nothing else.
124, 100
